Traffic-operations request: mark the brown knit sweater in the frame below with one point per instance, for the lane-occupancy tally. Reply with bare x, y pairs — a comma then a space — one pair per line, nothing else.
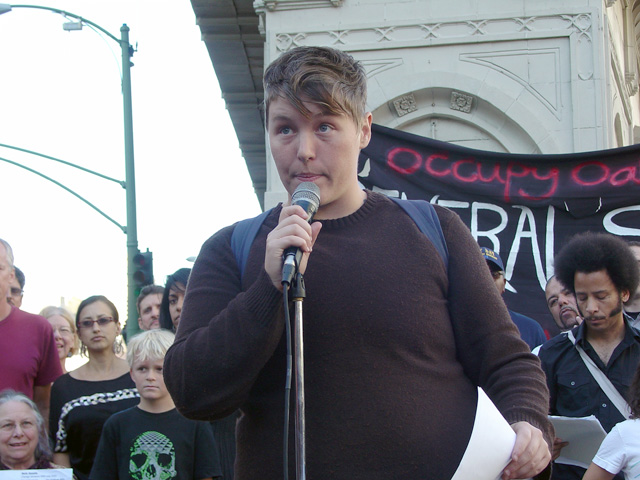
394, 349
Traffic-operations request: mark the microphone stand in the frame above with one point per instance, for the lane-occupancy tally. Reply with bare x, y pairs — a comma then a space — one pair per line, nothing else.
298, 294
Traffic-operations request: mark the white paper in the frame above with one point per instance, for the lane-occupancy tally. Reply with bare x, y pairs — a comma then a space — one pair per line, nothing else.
48, 474
584, 434
490, 446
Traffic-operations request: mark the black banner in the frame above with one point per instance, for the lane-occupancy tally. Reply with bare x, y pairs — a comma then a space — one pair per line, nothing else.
523, 206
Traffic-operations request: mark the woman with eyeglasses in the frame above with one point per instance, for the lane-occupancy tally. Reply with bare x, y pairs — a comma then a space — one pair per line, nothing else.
83, 399
64, 333
24, 443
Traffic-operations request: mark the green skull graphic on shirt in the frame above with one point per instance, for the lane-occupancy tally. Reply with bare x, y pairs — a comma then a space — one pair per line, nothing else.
153, 457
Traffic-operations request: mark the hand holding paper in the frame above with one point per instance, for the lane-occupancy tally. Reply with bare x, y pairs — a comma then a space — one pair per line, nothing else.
530, 453
558, 445
584, 434
498, 450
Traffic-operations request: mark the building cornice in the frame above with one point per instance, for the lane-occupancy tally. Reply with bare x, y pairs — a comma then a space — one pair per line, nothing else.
445, 32
274, 5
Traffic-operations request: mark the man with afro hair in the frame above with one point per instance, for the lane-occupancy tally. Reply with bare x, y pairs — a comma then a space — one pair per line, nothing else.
601, 271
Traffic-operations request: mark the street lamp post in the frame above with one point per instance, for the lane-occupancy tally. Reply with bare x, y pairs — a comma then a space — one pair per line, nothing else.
130, 184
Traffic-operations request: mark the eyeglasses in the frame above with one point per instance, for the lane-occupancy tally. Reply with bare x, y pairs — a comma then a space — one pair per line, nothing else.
102, 321
15, 291
65, 331
9, 427
496, 275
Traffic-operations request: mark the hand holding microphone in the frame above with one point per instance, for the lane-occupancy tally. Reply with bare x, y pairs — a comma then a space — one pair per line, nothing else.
307, 195
293, 236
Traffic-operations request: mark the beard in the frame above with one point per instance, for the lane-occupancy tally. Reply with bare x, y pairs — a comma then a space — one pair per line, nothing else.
570, 321
614, 312
617, 310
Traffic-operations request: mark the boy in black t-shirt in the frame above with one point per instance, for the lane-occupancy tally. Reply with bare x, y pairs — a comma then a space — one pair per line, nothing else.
152, 440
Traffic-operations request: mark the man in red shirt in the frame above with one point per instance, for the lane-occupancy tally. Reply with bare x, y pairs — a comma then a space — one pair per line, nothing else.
28, 353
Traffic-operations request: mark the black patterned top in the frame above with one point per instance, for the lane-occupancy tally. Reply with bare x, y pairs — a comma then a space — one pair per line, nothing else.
78, 411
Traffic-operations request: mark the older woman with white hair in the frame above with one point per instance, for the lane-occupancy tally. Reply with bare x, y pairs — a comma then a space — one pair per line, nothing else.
24, 442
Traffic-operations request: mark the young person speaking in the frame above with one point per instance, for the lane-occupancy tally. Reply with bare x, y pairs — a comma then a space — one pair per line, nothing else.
396, 342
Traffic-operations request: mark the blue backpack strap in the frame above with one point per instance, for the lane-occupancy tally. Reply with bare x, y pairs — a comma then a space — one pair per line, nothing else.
244, 233
420, 211
426, 218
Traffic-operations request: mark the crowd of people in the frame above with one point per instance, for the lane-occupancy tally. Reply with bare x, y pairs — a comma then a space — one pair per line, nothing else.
112, 417
395, 365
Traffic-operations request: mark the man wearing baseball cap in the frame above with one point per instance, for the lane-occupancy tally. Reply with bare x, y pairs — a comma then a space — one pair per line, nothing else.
530, 330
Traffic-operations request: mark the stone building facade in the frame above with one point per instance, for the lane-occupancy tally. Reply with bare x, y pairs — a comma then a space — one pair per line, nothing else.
518, 76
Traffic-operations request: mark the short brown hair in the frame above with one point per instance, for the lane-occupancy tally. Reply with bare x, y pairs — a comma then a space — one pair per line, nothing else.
328, 77
146, 291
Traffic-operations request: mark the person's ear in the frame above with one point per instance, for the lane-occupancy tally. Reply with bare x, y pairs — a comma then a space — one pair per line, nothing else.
365, 132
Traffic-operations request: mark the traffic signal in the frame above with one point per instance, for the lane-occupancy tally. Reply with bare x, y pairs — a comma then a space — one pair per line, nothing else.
143, 270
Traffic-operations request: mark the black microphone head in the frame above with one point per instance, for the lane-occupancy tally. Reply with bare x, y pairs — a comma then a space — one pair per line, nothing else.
307, 195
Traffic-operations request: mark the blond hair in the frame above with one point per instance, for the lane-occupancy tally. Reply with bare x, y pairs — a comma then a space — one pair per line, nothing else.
50, 311
149, 345
330, 78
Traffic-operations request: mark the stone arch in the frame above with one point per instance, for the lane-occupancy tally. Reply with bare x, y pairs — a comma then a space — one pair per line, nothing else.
483, 127
493, 120
451, 129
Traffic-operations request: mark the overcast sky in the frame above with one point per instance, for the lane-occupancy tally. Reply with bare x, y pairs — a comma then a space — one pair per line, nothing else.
61, 96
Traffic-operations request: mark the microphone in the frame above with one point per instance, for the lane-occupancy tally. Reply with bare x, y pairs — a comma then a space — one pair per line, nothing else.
307, 195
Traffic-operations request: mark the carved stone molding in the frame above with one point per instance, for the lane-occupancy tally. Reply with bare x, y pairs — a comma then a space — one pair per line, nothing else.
609, 3
461, 102
517, 64
273, 5
580, 23
624, 85
631, 80
635, 13
440, 33
405, 104
375, 66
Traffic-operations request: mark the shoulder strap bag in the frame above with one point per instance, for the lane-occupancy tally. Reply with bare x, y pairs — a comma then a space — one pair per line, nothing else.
604, 382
